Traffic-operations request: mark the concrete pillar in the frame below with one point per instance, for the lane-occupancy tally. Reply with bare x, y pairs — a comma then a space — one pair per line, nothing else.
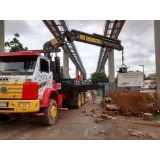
66, 64
103, 69
77, 71
157, 52
1, 35
111, 65
81, 75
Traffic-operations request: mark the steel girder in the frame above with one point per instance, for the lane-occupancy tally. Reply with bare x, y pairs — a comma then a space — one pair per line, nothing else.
68, 48
112, 29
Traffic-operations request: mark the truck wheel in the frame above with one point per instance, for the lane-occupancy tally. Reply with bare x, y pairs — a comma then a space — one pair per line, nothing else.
82, 98
79, 102
50, 113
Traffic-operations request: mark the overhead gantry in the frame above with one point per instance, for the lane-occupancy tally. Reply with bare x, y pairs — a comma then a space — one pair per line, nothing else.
112, 29
69, 49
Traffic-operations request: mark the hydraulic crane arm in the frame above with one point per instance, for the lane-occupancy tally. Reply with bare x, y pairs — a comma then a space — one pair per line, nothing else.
97, 40
74, 35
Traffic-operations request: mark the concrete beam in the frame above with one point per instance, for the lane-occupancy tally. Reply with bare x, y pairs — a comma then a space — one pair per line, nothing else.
2, 36
111, 65
66, 64
157, 52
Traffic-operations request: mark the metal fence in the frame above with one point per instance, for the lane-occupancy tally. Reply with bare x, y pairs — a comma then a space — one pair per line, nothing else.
113, 85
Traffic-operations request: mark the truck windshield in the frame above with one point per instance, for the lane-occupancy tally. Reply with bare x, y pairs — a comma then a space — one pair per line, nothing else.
17, 65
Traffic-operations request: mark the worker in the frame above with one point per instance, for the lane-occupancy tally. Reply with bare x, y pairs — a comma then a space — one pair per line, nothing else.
78, 78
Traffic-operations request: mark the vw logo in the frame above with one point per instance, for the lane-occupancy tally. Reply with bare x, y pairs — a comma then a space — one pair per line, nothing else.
3, 89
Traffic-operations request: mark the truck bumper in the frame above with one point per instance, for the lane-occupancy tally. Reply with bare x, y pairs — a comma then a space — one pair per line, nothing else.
19, 106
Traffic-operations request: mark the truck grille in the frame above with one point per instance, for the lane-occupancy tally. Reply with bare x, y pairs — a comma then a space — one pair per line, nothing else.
11, 90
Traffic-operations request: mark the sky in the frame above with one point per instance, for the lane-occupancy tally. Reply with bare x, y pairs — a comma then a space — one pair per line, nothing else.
137, 37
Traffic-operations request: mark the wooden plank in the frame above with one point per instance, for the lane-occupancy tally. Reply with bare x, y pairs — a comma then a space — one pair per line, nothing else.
111, 107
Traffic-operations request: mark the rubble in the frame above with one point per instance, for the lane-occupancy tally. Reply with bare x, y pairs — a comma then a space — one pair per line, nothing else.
103, 116
148, 116
135, 133
132, 102
158, 122
95, 116
109, 117
99, 120
88, 114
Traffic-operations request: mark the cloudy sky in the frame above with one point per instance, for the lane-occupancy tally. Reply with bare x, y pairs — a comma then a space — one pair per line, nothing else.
137, 38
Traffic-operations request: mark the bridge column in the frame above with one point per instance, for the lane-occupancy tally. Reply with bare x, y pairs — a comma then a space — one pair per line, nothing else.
77, 71
1, 35
66, 64
81, 75
103, 69
157, 52
111, 65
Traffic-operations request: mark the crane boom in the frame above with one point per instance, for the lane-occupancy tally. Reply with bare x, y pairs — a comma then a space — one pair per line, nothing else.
74, 35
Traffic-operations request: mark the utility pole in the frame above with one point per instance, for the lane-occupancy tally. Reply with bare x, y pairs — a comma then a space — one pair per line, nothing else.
143, 73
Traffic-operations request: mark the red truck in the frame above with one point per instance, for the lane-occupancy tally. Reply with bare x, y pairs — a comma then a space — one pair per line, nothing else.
30, 83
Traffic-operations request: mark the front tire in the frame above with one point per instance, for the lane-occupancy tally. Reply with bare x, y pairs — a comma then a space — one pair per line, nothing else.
50, 113
79, 102
82, 98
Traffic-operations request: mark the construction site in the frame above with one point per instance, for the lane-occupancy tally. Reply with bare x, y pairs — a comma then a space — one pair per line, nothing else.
129, 116
38, 101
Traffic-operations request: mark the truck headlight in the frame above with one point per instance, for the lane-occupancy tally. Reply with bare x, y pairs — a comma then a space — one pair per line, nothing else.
27, 104
21, 104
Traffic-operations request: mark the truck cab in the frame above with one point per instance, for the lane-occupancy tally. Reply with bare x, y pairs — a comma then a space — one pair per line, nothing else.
21, 67
26, 84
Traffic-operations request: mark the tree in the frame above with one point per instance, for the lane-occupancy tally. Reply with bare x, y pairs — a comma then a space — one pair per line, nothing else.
97, 76
14, 45
61, 72
147, 77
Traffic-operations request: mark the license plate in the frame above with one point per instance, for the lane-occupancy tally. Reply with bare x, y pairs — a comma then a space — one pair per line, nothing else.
3, 104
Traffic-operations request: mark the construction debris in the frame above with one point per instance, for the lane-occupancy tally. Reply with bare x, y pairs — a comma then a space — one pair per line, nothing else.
135, 133
103, 116
148, 116
95, 116
88, 114
109, 117
111, 107
127, 103
132, 102
158, 122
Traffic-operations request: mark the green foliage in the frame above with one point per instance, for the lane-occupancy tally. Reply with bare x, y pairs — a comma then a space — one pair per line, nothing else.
61, 73
14, 45
84, 79
146, 77
157, 116
97, 76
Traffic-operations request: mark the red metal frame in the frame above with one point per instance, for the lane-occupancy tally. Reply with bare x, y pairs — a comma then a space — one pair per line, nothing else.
54, 84
64, 95
53, 93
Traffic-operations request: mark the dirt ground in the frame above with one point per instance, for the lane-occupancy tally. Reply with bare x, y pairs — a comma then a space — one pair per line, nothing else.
79, 124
